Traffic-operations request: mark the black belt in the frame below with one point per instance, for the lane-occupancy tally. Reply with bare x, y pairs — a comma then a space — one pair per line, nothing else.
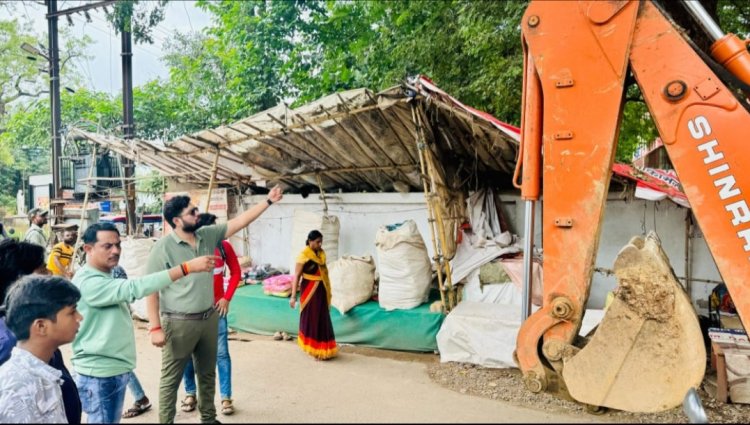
188, 316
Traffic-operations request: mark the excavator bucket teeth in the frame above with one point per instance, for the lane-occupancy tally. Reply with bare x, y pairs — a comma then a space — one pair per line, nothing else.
648, 350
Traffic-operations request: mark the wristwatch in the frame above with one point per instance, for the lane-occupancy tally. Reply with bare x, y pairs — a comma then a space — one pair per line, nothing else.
269, 202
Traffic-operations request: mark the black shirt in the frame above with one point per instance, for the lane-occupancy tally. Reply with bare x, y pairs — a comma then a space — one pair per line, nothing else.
71, 400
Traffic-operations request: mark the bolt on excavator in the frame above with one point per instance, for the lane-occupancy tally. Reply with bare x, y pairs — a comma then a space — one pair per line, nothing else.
579, 57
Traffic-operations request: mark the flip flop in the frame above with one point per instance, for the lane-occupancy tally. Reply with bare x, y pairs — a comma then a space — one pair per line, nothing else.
136, 410
188, 406
228, 408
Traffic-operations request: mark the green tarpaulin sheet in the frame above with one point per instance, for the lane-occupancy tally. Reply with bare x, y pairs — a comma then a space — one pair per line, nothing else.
366, 324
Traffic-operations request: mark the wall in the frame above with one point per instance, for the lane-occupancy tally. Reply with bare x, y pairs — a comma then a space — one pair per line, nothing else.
361, 214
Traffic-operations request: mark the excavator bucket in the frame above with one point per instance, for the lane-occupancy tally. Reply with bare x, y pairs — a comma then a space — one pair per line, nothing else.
648, 350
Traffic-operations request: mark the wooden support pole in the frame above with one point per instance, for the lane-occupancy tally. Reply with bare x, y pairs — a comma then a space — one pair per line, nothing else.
322, 194
430, 219
213, 177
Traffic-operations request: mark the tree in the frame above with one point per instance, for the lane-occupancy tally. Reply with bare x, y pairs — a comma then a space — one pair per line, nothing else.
138, 17
25, 145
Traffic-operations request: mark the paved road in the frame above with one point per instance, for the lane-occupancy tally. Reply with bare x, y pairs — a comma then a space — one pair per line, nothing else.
274, 381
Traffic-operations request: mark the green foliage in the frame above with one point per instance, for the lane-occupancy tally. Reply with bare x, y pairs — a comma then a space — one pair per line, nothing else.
19, 76
25, 145
153, 186
734, 17
138, 17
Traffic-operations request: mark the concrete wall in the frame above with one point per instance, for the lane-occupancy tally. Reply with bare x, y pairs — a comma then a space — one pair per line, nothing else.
361, 214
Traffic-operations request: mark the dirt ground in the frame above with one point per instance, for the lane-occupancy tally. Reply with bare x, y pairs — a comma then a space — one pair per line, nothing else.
505, 385
274, 381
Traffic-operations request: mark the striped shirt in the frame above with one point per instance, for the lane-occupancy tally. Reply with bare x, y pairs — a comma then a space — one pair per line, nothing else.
64, 254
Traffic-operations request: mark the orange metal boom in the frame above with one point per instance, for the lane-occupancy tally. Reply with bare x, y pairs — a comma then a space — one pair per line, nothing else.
579, 53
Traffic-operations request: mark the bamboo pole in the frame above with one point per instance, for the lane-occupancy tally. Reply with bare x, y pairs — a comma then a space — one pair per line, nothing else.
440, 224
213, 177
420, 148
322, 195
83, 209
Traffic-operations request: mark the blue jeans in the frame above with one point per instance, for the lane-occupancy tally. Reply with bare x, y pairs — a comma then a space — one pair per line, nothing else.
134, 385
223, 364
102, 398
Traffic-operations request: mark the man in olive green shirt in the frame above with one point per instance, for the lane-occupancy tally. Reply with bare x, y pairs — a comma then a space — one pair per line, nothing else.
182, 319
35, 234
104, 348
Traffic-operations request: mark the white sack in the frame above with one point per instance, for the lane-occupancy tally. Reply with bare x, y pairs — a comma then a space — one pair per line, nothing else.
352, 281
485, 334
303, 223
404, 267
133, 259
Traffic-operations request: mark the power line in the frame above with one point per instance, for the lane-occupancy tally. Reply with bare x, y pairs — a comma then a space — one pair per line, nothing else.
188, 17
109, 33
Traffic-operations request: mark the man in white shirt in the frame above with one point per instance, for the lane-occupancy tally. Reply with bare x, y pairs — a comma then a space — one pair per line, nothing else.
41, 312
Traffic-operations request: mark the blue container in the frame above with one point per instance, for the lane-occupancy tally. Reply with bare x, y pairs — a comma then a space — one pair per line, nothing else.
105, 206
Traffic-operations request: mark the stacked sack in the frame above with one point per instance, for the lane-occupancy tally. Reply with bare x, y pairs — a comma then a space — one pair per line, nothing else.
352, 281
303, 223
404, 267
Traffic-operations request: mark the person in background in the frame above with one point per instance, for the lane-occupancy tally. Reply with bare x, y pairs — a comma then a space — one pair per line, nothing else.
19, 259
142, 403
316, 336
35, 234
41, 312
222, 296
104, 349
62, 253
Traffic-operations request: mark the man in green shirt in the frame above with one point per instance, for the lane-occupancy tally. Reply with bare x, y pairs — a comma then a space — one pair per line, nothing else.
186, 312
104, 349
35, 234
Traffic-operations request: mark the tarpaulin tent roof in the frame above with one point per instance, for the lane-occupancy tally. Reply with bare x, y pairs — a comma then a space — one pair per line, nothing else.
353, 140
653, 184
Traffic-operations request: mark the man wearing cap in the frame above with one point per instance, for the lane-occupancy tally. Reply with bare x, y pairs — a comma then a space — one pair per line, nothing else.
35, 235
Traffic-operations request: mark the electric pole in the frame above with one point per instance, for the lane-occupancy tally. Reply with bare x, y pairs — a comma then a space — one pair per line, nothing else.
128, 126
54, 97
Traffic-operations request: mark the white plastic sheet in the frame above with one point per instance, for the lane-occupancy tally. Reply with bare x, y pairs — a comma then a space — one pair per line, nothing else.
485, 334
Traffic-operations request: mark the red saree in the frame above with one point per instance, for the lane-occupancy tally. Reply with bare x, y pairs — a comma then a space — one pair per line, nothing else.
316, 335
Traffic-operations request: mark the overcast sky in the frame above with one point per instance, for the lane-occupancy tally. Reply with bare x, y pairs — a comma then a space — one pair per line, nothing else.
102, 71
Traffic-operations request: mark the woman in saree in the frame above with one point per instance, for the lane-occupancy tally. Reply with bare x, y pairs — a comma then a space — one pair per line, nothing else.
316, 336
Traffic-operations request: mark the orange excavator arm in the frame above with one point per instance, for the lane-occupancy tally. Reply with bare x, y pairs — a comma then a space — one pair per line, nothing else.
577, 57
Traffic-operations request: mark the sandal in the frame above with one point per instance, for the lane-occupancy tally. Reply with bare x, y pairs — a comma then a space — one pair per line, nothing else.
226, 407
138, 408
188, 403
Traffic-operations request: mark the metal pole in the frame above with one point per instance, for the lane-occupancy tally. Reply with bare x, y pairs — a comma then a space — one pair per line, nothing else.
54, 87
128, 126
704, 19
528, 257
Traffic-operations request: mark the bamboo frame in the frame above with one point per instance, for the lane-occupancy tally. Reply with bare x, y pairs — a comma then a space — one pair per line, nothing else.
322, 195
211, 182
420, 150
